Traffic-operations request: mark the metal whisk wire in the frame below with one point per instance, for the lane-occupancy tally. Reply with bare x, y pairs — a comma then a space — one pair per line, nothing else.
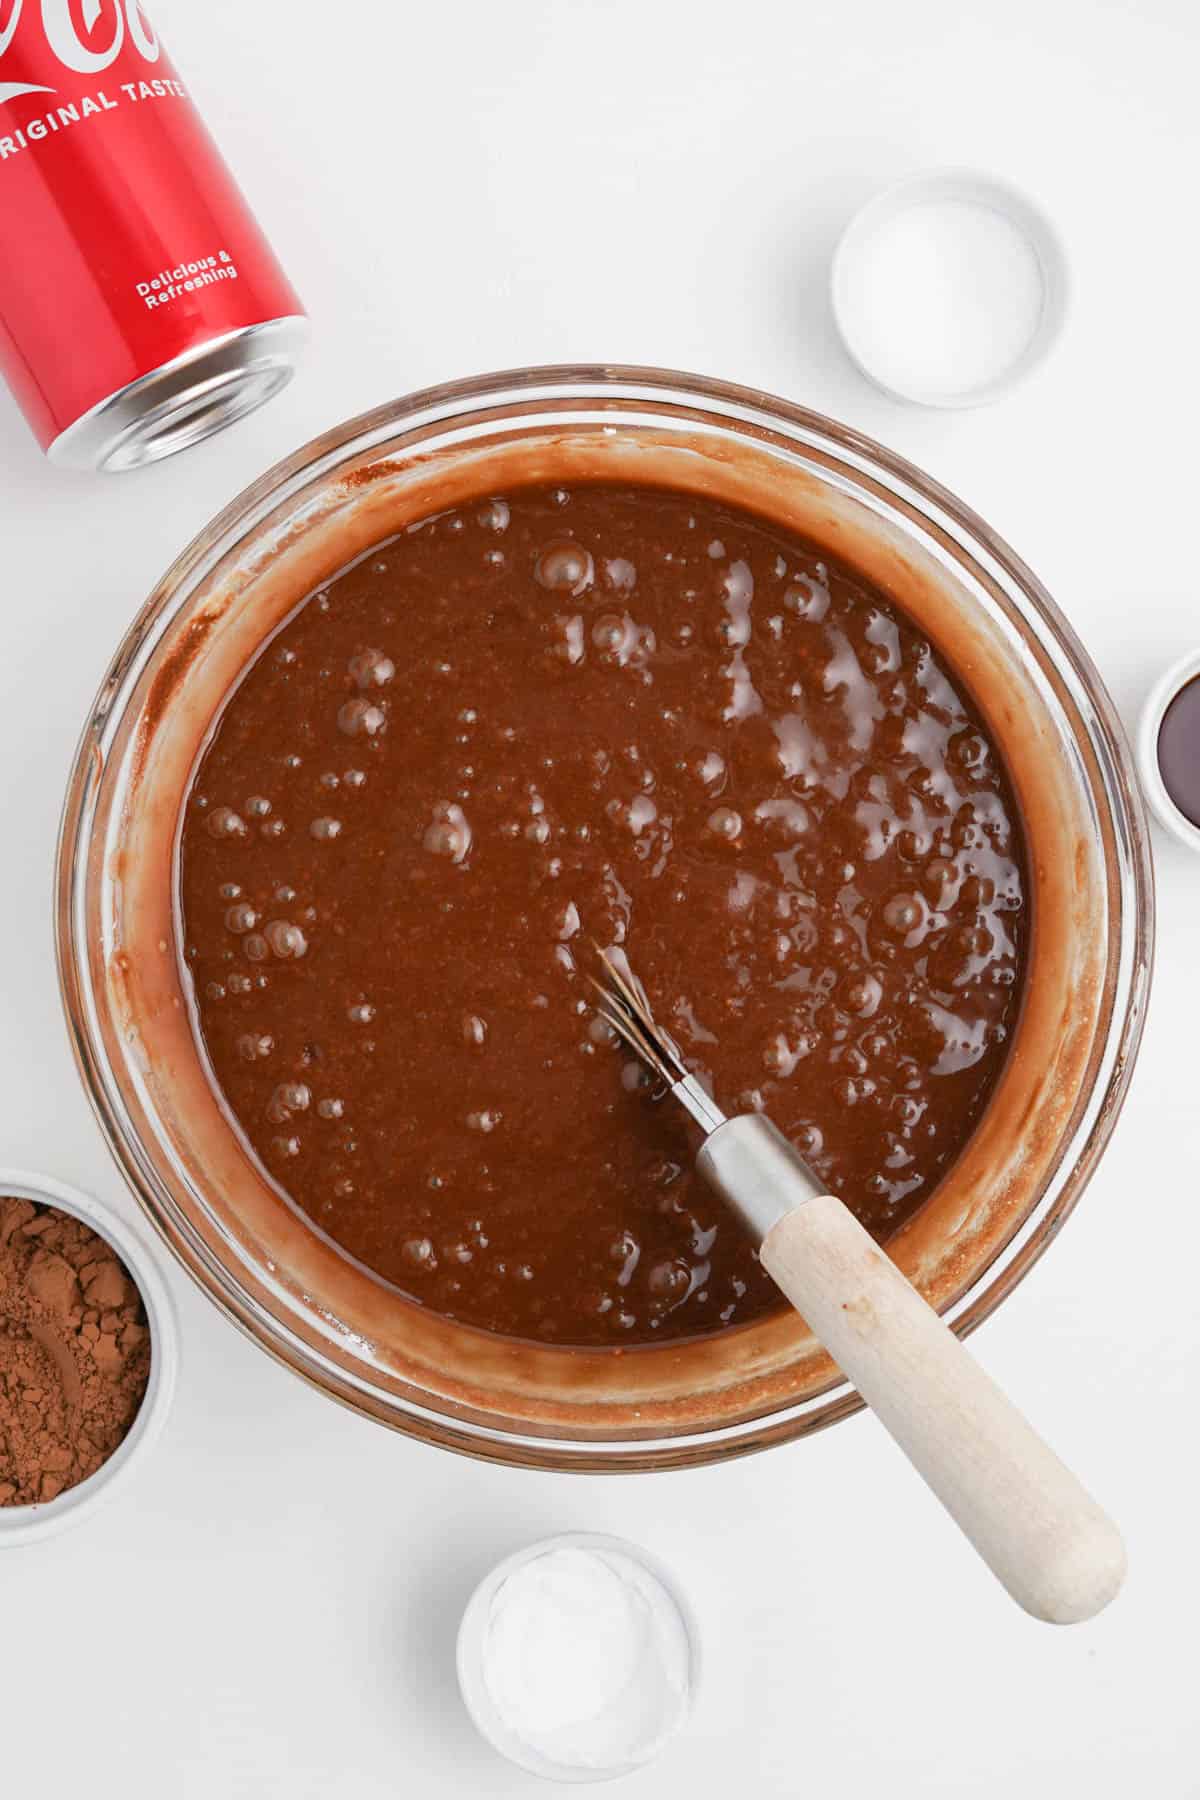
626, 1006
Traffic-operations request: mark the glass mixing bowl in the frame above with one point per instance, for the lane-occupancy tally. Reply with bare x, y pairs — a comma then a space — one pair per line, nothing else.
271, 1269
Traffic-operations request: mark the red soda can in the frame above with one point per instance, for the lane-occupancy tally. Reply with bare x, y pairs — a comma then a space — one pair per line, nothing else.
141, 307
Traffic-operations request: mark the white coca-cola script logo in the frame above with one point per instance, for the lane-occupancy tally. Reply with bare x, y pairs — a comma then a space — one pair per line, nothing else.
67, 41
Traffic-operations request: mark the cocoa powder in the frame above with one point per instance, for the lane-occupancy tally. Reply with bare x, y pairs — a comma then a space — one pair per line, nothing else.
74, 1352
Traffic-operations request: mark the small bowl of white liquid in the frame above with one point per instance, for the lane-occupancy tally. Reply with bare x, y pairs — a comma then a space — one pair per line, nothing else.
949, 288
578, 1658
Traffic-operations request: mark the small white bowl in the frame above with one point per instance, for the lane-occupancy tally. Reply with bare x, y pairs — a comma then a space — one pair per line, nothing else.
851, 276
474, 1689
27, 1524
1154, 787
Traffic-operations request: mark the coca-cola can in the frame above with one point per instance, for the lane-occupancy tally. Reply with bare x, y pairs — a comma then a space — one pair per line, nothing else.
141, 307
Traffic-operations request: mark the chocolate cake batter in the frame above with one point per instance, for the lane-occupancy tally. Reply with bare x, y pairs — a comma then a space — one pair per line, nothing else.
622, 715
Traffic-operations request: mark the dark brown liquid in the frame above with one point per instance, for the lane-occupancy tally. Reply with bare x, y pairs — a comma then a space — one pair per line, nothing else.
618, 715
1179, 750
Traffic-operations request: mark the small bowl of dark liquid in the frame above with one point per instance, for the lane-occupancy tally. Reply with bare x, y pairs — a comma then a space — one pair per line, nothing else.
1169, 750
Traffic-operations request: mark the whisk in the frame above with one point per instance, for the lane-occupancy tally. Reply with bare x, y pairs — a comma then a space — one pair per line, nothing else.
1040, 1532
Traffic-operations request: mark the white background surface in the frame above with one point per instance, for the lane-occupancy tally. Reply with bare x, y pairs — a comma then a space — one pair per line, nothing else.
269, 1610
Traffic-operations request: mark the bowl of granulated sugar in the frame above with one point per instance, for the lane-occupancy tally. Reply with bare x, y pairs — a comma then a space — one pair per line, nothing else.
949, 288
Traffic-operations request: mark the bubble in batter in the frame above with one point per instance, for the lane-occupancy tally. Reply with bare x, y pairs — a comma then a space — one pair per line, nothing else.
449, 833
372, 669
223, 822
564, 567
361, 718
286, 941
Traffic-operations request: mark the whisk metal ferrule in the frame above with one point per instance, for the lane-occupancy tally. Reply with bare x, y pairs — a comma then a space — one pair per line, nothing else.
698, 1103
749, 1162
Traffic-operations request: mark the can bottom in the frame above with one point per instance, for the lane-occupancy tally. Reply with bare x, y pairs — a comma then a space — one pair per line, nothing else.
186, 400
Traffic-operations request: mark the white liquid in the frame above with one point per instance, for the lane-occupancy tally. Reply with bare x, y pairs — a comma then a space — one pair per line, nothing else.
586, 1658
943, 298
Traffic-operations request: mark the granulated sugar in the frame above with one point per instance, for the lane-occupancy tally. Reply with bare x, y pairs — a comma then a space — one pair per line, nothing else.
942, 298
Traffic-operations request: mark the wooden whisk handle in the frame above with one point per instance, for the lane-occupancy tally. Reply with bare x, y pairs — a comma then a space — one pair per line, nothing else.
1036, 1527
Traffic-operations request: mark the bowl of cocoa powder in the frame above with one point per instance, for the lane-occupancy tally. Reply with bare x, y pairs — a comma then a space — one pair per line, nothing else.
88, 1354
